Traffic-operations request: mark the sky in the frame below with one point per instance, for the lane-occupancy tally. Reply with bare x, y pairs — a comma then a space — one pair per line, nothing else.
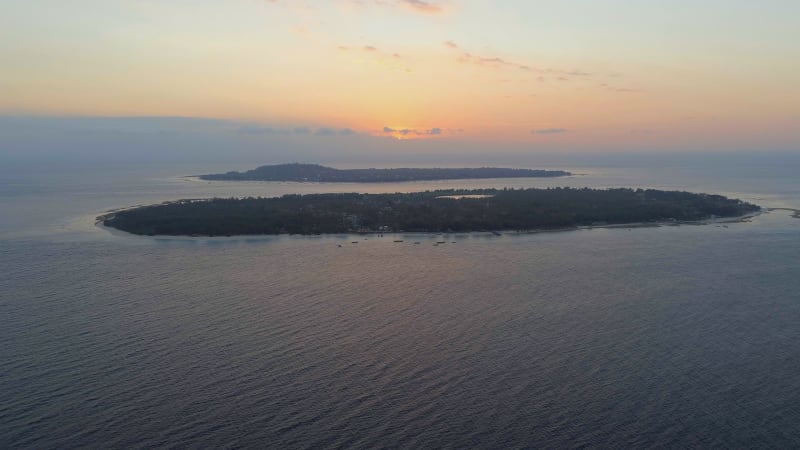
502, 75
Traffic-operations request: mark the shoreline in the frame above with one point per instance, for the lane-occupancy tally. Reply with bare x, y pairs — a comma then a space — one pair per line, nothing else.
304, 172
99, 222
110, 213
198, 179
795, 212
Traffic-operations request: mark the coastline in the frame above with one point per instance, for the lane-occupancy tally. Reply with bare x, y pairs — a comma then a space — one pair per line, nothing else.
110, 213
100, 219
795, 212
304, 172
198, 179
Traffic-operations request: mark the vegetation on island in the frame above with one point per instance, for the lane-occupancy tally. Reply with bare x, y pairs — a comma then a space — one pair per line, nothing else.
431, 211
318, 173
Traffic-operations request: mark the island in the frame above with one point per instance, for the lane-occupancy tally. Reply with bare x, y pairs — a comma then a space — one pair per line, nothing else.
318, 173
431, 211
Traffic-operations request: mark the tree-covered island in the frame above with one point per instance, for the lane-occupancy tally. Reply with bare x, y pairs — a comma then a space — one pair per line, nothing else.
432, 211
318, 173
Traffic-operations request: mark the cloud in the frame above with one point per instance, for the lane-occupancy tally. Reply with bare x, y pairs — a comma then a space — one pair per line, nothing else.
497, 62
418, 6
579, 73
435, 131
328, 131
550, 131
325, 132
493, 61
389, 59
255, 129
422, 6
619, 89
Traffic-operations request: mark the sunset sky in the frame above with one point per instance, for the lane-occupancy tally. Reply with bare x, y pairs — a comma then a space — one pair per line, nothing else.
633, 75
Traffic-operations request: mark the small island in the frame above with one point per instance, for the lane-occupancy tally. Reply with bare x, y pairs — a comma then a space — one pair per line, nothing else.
432, 211
318, 173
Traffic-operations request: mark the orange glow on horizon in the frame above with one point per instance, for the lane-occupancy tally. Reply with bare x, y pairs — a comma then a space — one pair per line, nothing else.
416, 70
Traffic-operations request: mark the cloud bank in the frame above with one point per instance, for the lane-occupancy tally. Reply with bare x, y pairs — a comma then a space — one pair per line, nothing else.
550, 131
435, 131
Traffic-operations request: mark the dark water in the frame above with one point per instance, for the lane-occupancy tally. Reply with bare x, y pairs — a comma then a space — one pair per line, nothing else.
649, 337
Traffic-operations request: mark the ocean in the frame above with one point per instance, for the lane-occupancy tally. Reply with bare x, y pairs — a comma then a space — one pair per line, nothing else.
672, 336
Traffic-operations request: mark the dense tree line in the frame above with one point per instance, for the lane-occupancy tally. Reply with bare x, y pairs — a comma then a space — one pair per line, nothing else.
315, 172
506, 209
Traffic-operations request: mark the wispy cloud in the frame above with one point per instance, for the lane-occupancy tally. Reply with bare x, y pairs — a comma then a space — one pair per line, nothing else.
491, 61
392, 60
497, 62
435, 131
256, 129
325, 132
612, 88
422, 6
418, 6
550, 131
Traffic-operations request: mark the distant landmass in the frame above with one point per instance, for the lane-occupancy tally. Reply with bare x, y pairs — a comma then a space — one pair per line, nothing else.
316, 172
431, 211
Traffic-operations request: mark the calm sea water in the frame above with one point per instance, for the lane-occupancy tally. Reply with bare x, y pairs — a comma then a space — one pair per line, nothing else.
647, 337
